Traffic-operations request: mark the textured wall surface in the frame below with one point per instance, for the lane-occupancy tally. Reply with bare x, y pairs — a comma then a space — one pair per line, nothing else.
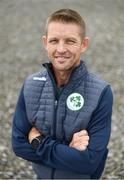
21, 53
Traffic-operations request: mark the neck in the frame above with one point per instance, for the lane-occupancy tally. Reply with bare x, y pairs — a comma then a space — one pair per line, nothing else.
62, 77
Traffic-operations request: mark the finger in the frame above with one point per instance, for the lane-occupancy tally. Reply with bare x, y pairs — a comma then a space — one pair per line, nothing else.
82, 133
80, 140
85, 143
81, 147
71, 144
83, 138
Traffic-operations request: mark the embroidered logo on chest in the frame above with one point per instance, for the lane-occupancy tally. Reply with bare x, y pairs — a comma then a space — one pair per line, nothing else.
75, 101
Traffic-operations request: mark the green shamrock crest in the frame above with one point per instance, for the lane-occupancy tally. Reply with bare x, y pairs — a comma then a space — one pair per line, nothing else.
75, 101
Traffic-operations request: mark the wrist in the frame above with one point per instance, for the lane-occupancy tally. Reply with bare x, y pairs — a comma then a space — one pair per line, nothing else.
35, 142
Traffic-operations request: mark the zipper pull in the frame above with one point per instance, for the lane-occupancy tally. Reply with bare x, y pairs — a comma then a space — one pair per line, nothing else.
56, 102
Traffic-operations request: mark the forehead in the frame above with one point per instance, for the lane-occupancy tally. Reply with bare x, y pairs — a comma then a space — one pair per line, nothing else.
63, 29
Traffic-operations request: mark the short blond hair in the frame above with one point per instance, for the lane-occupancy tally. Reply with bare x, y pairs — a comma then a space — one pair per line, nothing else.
67, 16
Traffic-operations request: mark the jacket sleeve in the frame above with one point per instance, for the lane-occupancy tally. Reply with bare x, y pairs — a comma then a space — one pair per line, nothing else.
57, 155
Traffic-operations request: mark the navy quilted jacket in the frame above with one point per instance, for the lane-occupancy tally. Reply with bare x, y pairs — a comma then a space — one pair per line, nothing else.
42, 105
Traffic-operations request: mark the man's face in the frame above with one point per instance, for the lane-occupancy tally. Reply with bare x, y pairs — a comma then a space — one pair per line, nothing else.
64, 45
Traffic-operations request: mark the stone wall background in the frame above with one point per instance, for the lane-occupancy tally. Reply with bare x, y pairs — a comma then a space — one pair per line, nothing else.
21, 53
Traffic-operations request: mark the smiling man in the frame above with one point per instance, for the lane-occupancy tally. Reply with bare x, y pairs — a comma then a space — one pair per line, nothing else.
62, 121
64, 43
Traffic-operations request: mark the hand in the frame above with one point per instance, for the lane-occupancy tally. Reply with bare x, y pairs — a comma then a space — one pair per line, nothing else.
80, 140
33, 133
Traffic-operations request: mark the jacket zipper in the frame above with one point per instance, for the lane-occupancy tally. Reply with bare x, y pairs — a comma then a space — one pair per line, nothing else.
54, 130
47, 65
55, 108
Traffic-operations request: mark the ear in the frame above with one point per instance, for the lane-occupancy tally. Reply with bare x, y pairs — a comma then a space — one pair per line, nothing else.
44, 41
85, 44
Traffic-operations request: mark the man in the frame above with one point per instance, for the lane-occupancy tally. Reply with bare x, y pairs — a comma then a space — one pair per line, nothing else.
62, 120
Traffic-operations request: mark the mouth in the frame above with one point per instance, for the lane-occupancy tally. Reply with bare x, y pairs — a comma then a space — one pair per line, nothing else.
62, 58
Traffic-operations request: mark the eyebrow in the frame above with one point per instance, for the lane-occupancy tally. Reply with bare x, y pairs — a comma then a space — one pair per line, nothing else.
68, 38
71, 38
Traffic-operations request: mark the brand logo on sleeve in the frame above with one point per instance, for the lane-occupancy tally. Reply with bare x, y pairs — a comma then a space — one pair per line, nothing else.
75, 101
39, 78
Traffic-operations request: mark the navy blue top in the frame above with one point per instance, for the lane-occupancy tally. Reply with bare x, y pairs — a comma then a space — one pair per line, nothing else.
57, 155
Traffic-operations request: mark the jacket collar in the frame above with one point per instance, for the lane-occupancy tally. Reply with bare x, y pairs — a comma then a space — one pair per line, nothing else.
79, 73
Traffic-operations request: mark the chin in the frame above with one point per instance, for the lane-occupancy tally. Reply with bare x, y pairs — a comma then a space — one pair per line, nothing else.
60, 68
64, 68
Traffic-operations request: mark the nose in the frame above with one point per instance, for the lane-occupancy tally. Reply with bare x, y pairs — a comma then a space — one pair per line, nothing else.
61, 48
